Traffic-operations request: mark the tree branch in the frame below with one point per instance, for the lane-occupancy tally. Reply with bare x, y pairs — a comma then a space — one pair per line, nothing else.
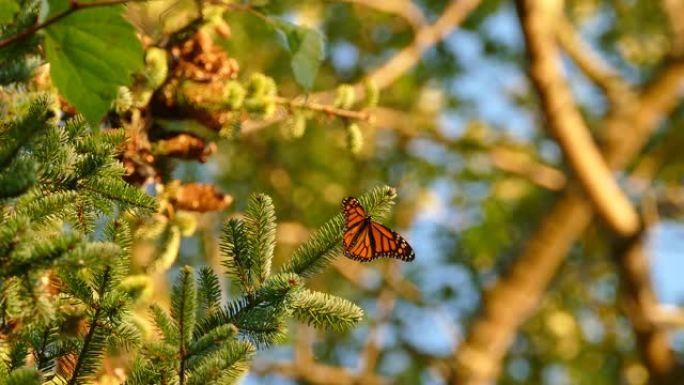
565, 122
515, 296
640, 304
674, 11
592, 64
73, 7
325, 108
399, 64
521, 164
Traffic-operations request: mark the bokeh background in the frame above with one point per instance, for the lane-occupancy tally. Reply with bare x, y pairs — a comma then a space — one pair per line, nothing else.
461, 133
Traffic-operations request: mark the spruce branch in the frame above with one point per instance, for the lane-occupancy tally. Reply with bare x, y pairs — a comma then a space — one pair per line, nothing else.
211, 340
325, 311
224, 366
92, 346
165, 325
209, 291
20, 376
20, 131
324, 244
237, 259
183, 310
260, 221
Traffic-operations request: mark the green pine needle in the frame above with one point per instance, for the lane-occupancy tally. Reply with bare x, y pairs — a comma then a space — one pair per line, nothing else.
260, 220
237, 259
184, 304
325, 311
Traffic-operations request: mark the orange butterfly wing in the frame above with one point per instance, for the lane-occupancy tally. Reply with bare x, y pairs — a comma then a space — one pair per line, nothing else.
364, 240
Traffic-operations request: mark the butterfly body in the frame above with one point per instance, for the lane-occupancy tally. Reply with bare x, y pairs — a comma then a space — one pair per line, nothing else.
365, 240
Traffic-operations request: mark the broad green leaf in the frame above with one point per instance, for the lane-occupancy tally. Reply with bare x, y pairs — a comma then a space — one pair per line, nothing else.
8, 9
307, 50
91, 53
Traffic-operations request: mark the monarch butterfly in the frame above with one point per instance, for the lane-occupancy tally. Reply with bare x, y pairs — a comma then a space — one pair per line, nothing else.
364, 240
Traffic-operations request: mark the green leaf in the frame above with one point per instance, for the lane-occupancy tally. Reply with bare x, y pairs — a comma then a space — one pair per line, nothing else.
91, 53
307, 50
8, 9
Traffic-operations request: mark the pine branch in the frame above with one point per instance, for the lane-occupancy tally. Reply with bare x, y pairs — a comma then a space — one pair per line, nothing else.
225, 366
87, 357
22, 130
260, 221
209, 292
260, 319
325, 243
183, 310
165, 325
211, 341
21, 376
237, 258
325, 311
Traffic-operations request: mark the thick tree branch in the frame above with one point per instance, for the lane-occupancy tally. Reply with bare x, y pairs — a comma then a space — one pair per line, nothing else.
641, 306
516, 295
399, 64
674, 11
565, 122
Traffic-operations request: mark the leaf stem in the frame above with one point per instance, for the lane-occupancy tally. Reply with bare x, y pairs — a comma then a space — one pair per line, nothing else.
73, 7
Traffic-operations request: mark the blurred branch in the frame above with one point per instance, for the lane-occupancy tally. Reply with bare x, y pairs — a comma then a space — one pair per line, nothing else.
405, 9
368, 358
522, 164
356, 273
425, 38
668, 316
503, 156
384, 308
304, 368
400, 63
592, 64
514, 297
565, 122
324, 108
641, 306
674, 11
314, 373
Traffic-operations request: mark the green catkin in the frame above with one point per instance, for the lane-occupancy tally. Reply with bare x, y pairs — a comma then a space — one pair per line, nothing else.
371, 93
346, 96
354, 138
234, 95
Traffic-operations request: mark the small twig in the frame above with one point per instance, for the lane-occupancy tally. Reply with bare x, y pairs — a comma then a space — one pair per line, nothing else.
73, 7
405, 9
330, 110
248, 8
401, 62
605, 76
